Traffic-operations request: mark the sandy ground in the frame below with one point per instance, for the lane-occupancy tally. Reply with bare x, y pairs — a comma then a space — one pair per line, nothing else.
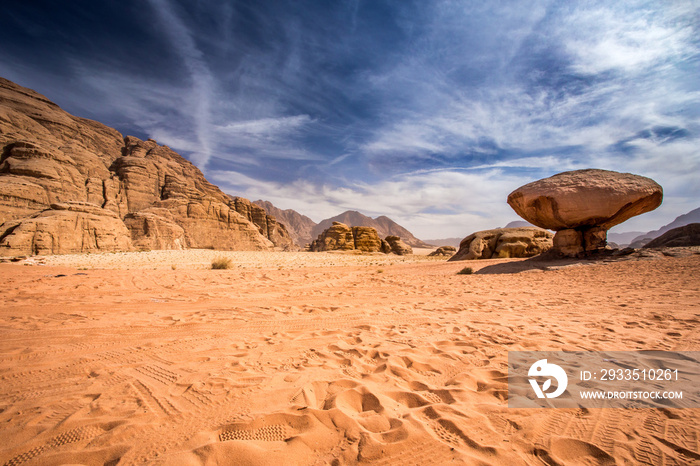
298, 358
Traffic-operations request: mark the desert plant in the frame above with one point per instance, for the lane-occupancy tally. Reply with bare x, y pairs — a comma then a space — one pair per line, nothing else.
221, 263
466, 271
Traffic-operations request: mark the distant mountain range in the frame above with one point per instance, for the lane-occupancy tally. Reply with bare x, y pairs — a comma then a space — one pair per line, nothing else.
682, 220
304, 230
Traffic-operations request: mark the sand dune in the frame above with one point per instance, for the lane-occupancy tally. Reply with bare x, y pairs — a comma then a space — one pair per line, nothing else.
294, 358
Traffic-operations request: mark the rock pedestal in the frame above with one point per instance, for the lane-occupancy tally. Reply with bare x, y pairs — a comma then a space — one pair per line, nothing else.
582, 205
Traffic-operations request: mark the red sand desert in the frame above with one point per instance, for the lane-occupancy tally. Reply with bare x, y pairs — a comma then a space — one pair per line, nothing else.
299, 358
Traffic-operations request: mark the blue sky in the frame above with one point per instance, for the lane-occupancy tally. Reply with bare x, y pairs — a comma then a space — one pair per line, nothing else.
429, 112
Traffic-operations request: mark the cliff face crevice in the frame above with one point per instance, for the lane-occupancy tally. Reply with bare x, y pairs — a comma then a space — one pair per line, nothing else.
157, 198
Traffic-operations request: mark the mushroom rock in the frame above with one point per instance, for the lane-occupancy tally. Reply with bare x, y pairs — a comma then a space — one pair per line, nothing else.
582, 205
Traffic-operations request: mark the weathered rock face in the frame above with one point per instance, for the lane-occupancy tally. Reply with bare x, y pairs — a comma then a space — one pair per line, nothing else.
582, 205
397, 246
268, 226
297, 225
504, 243
366, 239
340, 237
688, 235
152, 231
49, 157
65, 228
447, 251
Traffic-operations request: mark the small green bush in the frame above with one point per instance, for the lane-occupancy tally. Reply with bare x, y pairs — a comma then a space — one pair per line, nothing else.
221, 263
466, 271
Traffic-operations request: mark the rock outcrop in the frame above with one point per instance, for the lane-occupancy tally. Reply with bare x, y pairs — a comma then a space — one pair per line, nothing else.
397, 246
582, 205
50, 159
65, 228
340, 237
384, 226
504, 243
444, 251
298, 226
687, 235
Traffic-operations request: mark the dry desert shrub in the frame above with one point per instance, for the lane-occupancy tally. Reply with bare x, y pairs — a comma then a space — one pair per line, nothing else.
466, 271
221, 263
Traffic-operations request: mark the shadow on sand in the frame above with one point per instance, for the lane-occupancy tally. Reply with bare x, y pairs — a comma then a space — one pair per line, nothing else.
532, 264
548, 261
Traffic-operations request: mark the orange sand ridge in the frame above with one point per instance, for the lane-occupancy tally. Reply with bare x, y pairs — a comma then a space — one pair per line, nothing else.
294, 359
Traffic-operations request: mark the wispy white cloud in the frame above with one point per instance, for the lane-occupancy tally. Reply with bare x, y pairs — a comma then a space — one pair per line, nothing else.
266, 127
200, 99
603, 39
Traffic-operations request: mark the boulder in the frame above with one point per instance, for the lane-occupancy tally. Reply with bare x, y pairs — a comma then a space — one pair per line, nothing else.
504, 243
65, 228
397, 246
688, 235
448, 251
582, 205
48, 157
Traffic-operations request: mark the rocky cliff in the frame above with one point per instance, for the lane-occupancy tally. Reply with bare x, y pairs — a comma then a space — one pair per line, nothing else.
299, 226
68, 184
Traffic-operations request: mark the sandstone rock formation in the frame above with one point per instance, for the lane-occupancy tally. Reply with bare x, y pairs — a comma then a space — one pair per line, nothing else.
582, 205
687, 235
340, 237
384, 226
298, 226
66, 228
397, 246
147, 194
447, 251
504, 243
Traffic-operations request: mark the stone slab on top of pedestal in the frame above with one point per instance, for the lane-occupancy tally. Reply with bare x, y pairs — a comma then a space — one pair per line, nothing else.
585, 198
